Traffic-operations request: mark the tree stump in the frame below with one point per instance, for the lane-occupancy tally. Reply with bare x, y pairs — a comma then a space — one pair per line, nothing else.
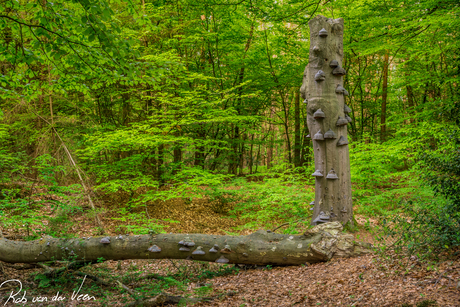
327, 119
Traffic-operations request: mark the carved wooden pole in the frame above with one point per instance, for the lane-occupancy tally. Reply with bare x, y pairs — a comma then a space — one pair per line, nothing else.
327, 119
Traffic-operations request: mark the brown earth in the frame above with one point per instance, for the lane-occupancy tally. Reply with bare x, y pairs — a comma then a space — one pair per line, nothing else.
361, 281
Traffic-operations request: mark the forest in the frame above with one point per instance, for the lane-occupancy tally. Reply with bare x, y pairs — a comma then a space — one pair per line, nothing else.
173, 122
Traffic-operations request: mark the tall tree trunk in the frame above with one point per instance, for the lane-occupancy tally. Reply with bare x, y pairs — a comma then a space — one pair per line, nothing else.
233, 157
251, 154
53, 140
258, 157
271, 131
383, 114
297, 144
410, 102
323, 89
161, 179
241, 156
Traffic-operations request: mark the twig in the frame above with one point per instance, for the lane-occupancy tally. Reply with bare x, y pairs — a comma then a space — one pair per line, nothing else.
50, 272
76, 169
174, 265
3, 270
441, 276
131, 292
95, 278
46, 268
296, 222
357, 300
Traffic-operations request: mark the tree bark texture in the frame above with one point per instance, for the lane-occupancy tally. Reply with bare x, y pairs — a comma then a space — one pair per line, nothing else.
318, 244
297, 144
323, 92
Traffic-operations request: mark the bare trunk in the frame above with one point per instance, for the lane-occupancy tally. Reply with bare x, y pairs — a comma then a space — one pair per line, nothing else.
251, 154
262, 247
383, 114
297, 144
323, 90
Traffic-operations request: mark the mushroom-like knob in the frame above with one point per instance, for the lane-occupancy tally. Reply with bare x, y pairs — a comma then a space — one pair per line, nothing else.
214, 250
334, 64
339, 71
198, 251
317, 173
332, 174
323, 32
316, 49
226, 250
47, 243
344, 210
105, 240
348, 118
305, 101
308, 136
154, 249
329, 134
318, 136
339, 89
342, 141
319, 114
321, 218
312, 203
320, 76
341, 121
184, 249
222, 259
245, 255
346, 109
187, 242
345, 92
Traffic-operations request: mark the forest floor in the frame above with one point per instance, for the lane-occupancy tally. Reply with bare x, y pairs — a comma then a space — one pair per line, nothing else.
369, 280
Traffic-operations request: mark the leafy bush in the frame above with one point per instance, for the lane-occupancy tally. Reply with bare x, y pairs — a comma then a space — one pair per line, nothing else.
27, 206
429, 227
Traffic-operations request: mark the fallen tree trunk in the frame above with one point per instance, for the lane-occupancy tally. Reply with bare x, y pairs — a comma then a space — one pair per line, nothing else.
318, 244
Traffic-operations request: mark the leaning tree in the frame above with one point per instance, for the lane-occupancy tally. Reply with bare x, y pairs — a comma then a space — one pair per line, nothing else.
327, 119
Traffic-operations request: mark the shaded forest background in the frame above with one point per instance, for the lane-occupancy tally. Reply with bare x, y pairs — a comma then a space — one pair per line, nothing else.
129, 104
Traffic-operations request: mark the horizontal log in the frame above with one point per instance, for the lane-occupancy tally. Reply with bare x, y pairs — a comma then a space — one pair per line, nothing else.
318, 244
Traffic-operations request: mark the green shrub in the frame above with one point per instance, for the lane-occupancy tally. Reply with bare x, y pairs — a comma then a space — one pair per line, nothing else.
429, 227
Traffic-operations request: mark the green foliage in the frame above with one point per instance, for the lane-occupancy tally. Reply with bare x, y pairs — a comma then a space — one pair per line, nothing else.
185, 274
382, 176
281, 197
429, 227
26, 207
